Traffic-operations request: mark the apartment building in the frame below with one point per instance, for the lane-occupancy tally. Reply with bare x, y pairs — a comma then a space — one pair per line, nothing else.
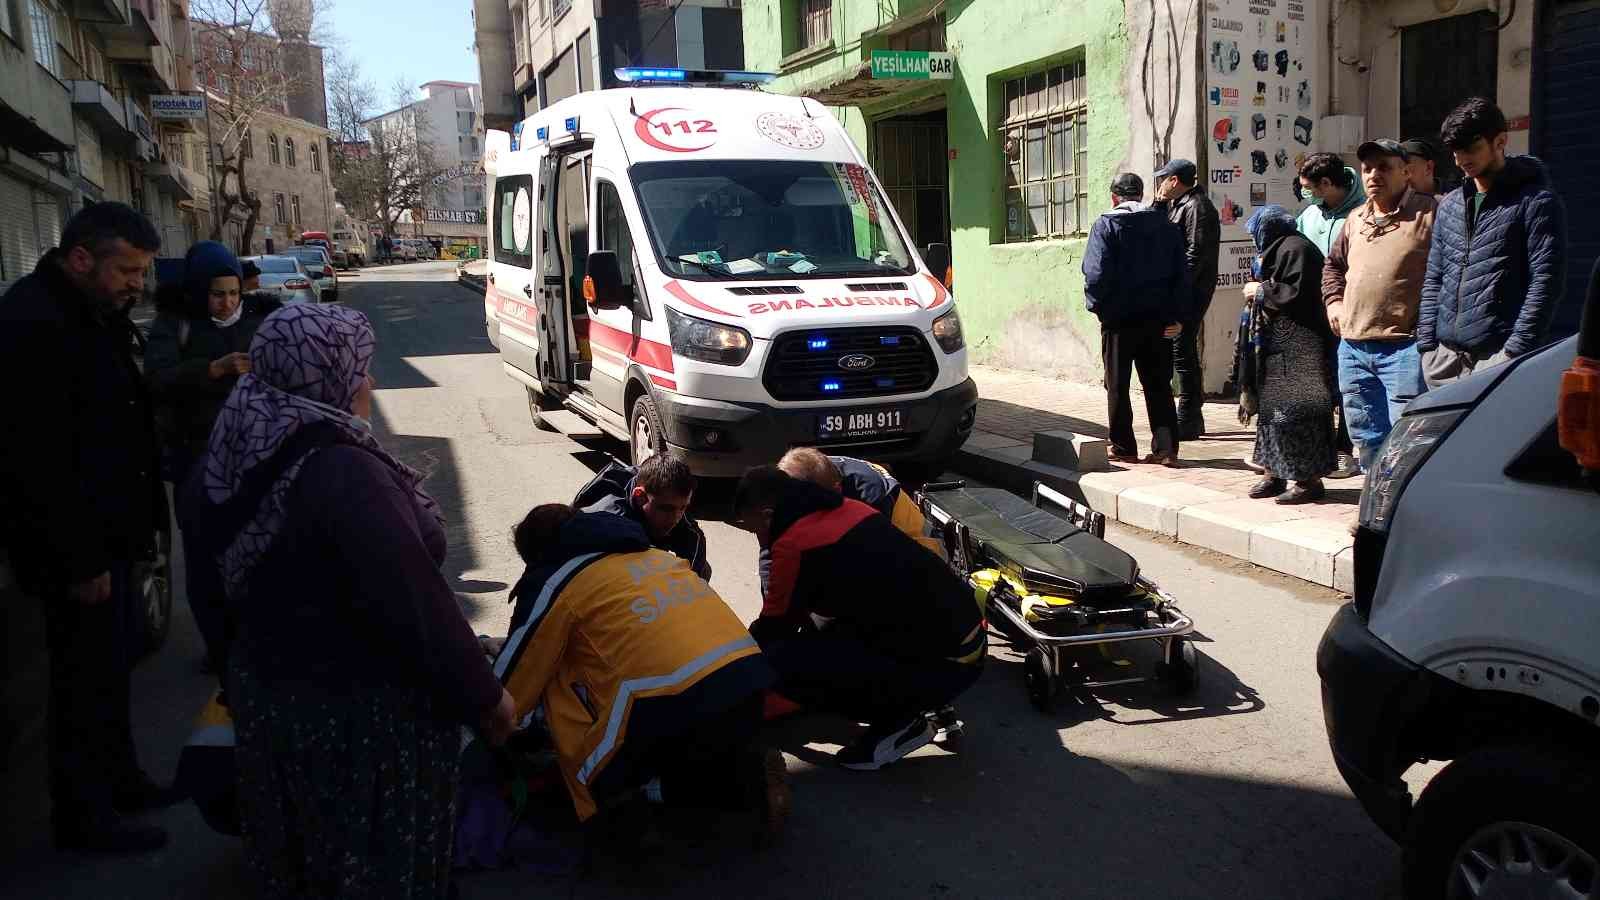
446, 121
77, 123
532, 53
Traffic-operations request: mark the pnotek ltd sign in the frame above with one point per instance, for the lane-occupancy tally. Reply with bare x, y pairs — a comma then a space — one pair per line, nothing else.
178, 106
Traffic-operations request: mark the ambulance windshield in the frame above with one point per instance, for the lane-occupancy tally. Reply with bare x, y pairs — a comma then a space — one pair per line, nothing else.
762, 218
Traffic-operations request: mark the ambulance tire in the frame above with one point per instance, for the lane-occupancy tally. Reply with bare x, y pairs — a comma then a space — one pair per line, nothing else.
538, 404
646, 437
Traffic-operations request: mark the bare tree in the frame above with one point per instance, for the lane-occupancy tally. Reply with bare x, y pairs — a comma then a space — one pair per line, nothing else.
238, 59
384, 162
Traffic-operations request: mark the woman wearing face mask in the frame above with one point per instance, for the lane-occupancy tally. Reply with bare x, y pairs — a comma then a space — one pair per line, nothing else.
350, 665
195, 354
1284, 363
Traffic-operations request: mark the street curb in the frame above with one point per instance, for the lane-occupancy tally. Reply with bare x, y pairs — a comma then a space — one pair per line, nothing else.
1291, 541
472, 283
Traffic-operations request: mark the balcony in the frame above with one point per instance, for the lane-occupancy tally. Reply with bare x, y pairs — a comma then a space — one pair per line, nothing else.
112, 13
171, 178
143, 46
95, 103
35, 115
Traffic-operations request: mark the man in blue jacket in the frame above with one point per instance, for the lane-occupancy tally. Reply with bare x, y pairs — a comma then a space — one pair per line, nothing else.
1498, 260
1135, 281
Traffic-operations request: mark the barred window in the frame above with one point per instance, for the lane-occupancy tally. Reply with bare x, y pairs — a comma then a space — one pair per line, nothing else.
1045, 130
816, 22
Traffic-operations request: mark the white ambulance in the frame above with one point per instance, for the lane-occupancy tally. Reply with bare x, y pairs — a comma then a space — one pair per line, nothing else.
704, 269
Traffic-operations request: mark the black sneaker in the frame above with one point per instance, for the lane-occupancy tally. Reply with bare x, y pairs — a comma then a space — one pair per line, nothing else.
881, 745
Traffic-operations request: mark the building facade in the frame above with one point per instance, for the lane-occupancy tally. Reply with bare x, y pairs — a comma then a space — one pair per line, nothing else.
532, 53
77, 122
1006, 144
446, 121
287, 167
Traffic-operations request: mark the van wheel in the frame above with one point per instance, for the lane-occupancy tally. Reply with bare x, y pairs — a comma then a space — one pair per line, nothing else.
1511, 821
538, 405
646, 436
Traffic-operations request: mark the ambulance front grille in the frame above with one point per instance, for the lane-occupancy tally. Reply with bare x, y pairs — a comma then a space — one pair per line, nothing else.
812, 364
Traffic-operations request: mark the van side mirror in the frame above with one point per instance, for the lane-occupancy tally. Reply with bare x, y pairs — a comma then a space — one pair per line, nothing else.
937, 258
602, 286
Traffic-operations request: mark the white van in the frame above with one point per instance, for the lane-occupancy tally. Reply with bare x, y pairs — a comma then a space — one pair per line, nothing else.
748, 287
1474, 632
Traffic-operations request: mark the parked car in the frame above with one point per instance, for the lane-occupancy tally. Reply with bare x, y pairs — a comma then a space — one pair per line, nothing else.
420, 249
320, 239
287, 276
404, 250
353, 247
320, 267
1473, 635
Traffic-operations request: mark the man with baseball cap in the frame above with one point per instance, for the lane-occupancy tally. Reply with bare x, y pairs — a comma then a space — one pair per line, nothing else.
1180, 195
1135, 282
1421, 161
1372, 285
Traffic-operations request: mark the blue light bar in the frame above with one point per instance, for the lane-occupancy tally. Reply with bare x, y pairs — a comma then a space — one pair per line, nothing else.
516, 136
889, 340
831, 386
817, 343
572, 124
642, 75
884, 382
543, 134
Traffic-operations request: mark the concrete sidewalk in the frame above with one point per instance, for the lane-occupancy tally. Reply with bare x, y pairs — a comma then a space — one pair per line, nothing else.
1025, 424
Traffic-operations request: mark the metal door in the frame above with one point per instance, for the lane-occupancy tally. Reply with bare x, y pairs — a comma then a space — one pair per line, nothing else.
1442, 63
911, 156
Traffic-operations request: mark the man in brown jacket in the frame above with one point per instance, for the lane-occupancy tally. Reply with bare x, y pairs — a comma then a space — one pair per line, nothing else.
1372, 285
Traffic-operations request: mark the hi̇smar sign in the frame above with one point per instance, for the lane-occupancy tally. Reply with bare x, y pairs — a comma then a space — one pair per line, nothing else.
916, 65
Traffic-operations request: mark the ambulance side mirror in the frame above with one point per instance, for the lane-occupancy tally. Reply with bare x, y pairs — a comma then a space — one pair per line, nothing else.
937, 258
603, 287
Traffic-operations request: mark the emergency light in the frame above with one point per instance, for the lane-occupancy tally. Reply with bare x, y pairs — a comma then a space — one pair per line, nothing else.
572, 124
817, 343
642, 75
542, 133
830, 386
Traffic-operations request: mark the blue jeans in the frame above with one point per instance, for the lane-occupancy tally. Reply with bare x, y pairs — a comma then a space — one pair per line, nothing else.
1376, 381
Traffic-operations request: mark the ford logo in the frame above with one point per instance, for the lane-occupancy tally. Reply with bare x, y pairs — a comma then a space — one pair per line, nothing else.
857, 362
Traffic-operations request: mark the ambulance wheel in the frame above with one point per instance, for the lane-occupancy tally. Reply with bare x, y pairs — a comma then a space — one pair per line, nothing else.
1040, 678
1183, 673
538, 404
646, 436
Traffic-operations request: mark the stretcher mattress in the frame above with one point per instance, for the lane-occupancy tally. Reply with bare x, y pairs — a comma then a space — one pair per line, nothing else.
1046, 552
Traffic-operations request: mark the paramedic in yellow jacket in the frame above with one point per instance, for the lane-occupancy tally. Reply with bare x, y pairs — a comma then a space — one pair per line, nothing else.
649, 682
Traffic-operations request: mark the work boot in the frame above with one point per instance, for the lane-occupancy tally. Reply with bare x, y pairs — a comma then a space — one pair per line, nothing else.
109, 833
1345, 467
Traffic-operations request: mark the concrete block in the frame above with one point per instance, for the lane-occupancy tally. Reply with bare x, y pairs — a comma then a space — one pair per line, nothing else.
985, 440
1304, 548
1155, 507
994, 468
1101, 489
1344, 571
1070, 451
1064, 480
1017, 453
1225, 526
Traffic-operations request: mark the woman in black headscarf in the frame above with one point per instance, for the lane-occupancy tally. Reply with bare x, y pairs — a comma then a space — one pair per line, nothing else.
1284, 364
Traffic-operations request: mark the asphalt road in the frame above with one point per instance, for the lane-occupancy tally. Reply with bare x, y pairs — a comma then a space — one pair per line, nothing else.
1129, 793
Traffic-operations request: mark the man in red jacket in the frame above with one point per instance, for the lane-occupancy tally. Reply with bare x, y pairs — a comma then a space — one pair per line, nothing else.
858, 618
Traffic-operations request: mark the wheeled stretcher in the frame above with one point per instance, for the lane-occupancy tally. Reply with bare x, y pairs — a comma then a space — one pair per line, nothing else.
1051, 583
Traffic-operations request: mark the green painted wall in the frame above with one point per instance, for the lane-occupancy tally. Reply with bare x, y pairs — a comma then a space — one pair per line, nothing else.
1021, 304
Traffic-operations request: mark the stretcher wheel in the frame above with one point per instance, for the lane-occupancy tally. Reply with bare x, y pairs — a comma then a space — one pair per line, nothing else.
1183, 672
1039, 674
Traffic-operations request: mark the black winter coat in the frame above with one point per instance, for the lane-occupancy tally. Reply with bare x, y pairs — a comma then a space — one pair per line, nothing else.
79, 473
1196, 216
178, 365
1495, 279
611, 491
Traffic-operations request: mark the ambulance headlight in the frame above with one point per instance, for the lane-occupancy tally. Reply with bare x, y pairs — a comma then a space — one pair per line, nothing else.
947, 331
710, 342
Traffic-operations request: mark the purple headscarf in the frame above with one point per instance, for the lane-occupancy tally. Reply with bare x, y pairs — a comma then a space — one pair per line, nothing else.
308, 361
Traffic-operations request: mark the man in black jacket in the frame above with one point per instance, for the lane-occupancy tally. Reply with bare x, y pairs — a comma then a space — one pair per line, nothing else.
1184, 200
657, 496
1135, 281
83, 497
858, 618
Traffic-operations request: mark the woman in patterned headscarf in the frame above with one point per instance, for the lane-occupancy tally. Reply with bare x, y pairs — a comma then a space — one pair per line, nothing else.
1285, 364
350, 664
